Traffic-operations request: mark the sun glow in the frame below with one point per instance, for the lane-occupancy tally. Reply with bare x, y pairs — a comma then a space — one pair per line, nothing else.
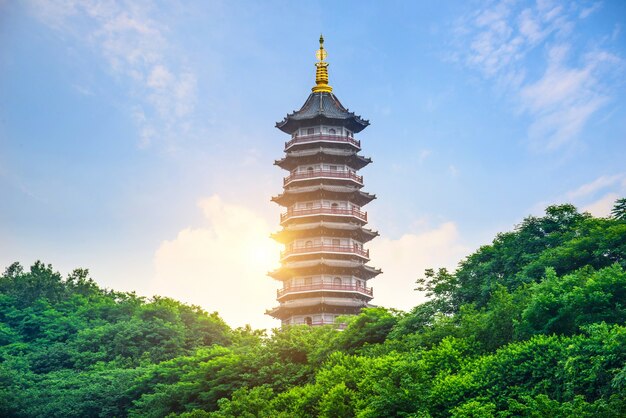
223, 265
263, 254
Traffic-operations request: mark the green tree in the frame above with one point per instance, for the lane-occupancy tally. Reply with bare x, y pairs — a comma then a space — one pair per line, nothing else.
619, 209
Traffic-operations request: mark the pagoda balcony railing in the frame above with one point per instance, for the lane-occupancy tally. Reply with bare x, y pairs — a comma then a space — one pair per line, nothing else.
324, 138
326, 286
351, 175
344, 249
317, 323
324, 211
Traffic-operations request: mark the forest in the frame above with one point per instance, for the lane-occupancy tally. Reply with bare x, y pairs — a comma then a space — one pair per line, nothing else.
531, 325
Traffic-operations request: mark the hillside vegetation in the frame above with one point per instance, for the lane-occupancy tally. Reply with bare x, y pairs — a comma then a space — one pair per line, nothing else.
532, 325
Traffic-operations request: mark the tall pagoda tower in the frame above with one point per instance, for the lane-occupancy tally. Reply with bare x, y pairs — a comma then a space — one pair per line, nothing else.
324, 269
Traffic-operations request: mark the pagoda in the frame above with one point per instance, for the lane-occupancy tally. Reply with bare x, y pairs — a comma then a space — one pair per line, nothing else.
324, 271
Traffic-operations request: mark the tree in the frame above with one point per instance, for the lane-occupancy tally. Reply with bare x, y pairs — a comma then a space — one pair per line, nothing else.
371, 326
619, 209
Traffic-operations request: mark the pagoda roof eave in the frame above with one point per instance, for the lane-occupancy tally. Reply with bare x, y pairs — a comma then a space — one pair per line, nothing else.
319, 108
350, 157
314, 228
291, 269
289, 126
349, 193
284, 312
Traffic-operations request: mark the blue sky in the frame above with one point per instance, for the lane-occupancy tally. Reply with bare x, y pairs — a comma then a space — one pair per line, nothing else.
137, 138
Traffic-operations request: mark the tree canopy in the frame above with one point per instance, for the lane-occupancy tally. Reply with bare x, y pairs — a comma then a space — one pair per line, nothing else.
533, 324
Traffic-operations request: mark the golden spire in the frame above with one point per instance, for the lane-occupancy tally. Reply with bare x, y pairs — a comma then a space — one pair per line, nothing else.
321, 73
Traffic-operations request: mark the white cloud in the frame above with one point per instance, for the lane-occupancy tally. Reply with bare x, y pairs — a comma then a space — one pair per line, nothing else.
423, 155
584, 13
498, 40
558, 83
404, 260
160, 77
529, 27
596, 197
136, 47
222, 265
564, 98
603, 206
85, 91
594, 186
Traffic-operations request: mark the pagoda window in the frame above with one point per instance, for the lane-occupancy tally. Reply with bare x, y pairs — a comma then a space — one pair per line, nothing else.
309, 169
332, 131
337, 281
310, 131
308, 281
333, 168
308, 244
336, 242
309, 205
334, 206
308, 321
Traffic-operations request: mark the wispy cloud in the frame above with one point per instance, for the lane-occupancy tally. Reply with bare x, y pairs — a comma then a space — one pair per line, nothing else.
589, 10
423, 155
596, 196
559, 92
135, 45
599, 184
602, 207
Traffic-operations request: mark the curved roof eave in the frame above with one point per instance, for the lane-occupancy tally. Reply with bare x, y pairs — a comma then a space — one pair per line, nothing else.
319, 108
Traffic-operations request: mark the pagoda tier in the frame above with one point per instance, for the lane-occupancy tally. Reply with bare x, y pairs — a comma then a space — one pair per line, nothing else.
340, 252
317, 307
332, 177
324, 228
319, 212
323, 289
351, 158
323, 191
304, 141
323, 267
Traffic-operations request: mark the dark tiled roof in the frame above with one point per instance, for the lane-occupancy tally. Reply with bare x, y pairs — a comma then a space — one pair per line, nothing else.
353, 194
307, 156
296, 268
319, 108
291, 232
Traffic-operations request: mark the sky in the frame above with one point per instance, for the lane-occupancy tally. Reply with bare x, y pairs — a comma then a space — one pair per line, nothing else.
137, 138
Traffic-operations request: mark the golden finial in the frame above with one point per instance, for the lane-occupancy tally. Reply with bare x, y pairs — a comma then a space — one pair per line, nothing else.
321, 73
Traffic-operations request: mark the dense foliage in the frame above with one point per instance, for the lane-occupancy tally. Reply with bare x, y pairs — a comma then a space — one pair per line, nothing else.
533, 324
